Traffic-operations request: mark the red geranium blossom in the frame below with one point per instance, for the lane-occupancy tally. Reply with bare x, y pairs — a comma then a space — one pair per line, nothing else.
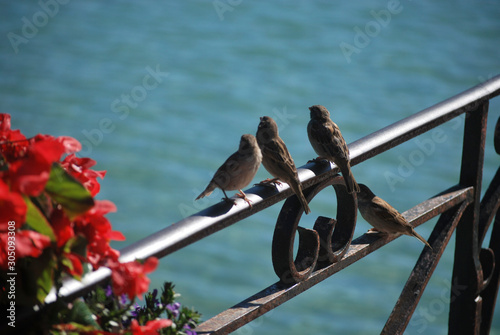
71, 145
62, 226
80, 169
151, 327
29, 174
98, 231
73, 264
12, 207
130, 278
13, 144
4, 123
27, 243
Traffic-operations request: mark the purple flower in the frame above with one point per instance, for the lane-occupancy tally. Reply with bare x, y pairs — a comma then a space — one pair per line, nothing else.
174, 308
109, 291
188, 330
123, 299
135, 312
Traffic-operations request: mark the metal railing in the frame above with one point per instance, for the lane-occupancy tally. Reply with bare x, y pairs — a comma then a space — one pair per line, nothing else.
329, 247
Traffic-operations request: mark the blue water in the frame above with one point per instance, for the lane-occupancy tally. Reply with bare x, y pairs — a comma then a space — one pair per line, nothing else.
86, 70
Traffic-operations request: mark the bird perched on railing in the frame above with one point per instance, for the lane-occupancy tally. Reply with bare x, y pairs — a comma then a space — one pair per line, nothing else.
382, 216
237, 171
276, 158
328, 142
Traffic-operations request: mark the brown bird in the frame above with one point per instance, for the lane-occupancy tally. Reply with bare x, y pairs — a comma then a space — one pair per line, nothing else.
385, 218
326, 139
276, 158
237, 171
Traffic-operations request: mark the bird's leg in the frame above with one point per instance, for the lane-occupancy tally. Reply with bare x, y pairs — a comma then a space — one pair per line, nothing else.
267, 182
227, 199
243, 196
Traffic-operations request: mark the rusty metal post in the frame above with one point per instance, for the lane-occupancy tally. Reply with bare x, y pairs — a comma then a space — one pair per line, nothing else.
490, 256
491, 291
465, 306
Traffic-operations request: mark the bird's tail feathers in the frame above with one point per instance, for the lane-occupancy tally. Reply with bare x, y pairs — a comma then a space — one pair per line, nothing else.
417, 235
210, 188
298, 191
350, 182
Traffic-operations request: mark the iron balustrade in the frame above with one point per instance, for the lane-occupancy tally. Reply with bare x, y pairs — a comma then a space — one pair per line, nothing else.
329, 247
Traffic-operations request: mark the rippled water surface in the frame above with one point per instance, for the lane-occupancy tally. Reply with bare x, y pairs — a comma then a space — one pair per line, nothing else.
159, 94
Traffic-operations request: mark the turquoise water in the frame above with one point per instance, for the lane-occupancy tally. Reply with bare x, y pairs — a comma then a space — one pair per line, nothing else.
160, 93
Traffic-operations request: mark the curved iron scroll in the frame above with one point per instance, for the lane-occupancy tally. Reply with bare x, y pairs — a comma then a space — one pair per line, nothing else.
323, 245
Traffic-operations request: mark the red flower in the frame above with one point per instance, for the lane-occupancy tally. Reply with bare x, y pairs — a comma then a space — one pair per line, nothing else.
27, 243
29, 174
13, 144
73, 264
151, 327
30, 243
12, 207
71, 145
4, 123
130, 278
98, 231
62, 226
80, 169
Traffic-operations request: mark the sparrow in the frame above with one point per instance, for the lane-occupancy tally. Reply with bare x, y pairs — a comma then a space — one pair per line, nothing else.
237, 171
326, 139
277, 160
385, 218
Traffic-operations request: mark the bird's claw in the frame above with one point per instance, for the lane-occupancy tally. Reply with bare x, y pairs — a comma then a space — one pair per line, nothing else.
267, 182
243, 196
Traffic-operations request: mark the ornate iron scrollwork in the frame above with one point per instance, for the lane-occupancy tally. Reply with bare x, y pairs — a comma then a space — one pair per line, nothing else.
321, 246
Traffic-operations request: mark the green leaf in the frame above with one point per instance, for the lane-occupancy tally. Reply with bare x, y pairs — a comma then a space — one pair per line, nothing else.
78, 245
68, 192
44, 282
37, 221
80, 313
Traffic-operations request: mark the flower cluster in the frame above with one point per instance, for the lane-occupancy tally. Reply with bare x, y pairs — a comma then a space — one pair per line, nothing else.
184, 319
118, 312
52, 228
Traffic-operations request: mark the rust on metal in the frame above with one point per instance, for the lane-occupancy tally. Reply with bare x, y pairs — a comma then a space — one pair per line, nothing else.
327, 239
467, 270
278, 293
425, 266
